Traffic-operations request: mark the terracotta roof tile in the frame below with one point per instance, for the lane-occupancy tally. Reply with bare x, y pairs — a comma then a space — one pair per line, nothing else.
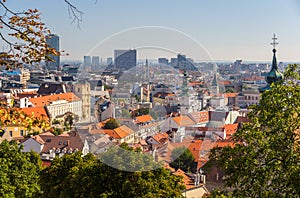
119, 133
195, 147
224, 143
183, 120
69, 141
144, 118
38, 112
46, 100
200, 116
161, 137
187, 181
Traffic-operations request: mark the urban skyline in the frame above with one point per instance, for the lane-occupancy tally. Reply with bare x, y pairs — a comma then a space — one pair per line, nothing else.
226, 30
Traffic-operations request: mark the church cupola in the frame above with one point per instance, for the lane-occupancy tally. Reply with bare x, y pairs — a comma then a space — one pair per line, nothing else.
274, 75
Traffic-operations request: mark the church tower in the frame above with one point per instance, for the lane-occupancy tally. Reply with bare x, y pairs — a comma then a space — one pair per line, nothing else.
215, 85
274, 75
83, 91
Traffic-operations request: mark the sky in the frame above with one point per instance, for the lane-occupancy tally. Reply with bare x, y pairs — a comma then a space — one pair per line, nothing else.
201, 29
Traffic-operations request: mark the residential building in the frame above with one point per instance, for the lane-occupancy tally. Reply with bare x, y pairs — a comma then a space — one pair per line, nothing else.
49, 146
58, 105
121, 134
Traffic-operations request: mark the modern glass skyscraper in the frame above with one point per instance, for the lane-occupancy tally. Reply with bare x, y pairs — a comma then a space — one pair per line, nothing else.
125, 59
53, 41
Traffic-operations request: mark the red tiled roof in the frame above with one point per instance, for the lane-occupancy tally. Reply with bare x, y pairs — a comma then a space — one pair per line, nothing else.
230, 129
183, 120
38, 112
64, 141
194, 147
200, 116
241, 119
144, 118
27, 94
161, 137
225, 82
224, 143
46, 100
187, 181
118, 133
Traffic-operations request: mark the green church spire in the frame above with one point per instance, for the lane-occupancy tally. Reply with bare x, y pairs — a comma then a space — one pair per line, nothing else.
274, 75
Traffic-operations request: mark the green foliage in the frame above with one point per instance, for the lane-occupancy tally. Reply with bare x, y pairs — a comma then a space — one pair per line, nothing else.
19, 172
14, 117
111, 124
265, 161
57, 131
183, 158
76, 176
62, 178
140, 112
128, 159
55, 121
125, 113
229, 90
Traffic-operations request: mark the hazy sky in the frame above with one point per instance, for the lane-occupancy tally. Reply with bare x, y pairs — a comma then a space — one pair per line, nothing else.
201, 29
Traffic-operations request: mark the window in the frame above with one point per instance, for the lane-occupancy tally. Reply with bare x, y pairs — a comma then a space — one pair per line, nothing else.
21, 132
10, 133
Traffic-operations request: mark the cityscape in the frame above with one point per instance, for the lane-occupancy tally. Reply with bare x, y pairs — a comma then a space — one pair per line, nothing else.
144, 120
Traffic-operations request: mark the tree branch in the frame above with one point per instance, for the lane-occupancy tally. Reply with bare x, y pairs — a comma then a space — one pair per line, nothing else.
74, 13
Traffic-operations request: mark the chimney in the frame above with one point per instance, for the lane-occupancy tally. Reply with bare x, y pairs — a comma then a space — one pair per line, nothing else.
68, 142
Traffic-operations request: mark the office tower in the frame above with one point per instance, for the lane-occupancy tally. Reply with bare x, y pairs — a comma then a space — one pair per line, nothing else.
125, 59
87, 61
164, 61
95, 61
109, 61
53, 41
174, 62
185, 63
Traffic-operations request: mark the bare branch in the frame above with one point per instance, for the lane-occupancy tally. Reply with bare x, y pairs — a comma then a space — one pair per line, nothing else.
9, 10
74, 13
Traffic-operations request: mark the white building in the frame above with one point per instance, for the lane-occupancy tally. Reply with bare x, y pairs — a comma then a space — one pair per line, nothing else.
59, 104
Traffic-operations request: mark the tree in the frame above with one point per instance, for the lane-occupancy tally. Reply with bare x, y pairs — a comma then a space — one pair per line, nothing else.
19, 172
142, 111
12, 116
265, 161
76, 176
125, 113
61, 179
183, 158
26, 37
111, 124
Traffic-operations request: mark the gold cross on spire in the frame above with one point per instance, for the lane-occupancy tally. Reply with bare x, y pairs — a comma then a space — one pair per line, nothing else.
274, 43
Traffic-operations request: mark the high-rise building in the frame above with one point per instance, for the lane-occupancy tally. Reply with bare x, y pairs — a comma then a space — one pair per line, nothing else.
95, 61
185, 63
109, 61
125, 59
164, 61
87, 61
53, 41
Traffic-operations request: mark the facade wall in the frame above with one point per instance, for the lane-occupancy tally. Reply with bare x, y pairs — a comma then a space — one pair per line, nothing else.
59, 108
